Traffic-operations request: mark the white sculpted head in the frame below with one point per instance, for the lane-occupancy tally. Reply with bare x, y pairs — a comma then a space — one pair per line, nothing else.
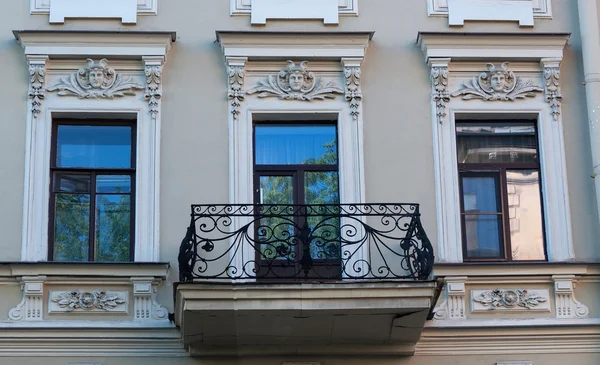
297, 75
499, 77
98, 73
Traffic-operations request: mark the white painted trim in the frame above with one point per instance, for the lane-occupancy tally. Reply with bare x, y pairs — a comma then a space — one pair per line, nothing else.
541, 8
244, 7
144, 7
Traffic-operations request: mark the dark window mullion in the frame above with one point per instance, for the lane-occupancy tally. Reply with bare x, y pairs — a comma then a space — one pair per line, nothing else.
92, 230
503, 187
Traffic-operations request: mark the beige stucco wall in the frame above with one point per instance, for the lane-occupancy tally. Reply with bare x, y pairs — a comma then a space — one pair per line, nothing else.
398, 142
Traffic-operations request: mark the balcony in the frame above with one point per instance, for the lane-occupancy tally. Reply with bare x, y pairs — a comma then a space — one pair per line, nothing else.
312, 279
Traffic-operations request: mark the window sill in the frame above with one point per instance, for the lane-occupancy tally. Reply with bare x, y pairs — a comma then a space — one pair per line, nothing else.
516, 268
85, 269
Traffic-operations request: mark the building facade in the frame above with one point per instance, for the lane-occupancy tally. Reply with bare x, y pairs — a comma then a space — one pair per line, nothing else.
300, 182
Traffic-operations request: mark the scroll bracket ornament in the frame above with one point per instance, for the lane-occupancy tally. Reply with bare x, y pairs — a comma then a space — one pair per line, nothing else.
145, 306
552, 90
453, 304
296, 82
439, 86
37, 78
153, 66
567, 306
498, 83
235, 80
509, 298
96, 81
353, 91
31, 306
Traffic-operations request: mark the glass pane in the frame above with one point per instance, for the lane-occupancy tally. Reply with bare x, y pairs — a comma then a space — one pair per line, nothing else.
71, 227
496, 143
295, 144
277, 233
525, 215
93, 146
321, 187
483, 234
113, 184
480, 194
113, 223
71, 183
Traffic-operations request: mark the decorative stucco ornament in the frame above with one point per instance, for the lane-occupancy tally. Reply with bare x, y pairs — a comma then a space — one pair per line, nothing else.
76, 300
509, 298
497, 83
295, 82
441, 96
95, 81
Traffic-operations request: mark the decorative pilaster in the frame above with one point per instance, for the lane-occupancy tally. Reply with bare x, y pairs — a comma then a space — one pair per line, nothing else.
37, 78
31, 307
235, 93
552, 85
564, 297
153, 94
145, 307
453, 305
439, 86
353, 92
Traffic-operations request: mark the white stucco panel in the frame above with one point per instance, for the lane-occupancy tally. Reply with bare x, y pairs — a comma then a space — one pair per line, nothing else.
261, 10
126, 10
459, 11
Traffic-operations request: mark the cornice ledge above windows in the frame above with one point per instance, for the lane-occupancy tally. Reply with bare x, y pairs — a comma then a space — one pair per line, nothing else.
75, 270
83, 44
488, 46
261, 10
126, 10
459, 11
288, 45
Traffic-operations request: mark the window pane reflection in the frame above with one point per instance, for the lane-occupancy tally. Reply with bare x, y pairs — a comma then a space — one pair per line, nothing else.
321, 187
291, 144
483, 236
71, 227
93, 146
524, 207
113, 219
277, 233
497, 143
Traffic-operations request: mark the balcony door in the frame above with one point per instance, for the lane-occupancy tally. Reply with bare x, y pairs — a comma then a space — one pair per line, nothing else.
295, 165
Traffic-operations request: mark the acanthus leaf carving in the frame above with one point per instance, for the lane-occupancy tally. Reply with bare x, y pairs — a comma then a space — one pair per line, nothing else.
153, 92
95, 81
36, 93
296, 83
441, 96
77, 300
353, 93
498, 83
509, 298
552, 91
235, 92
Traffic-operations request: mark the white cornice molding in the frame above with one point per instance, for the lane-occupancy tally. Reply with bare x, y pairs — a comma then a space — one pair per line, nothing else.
517, 270
490, 46
74, 271
290, 45
84, 44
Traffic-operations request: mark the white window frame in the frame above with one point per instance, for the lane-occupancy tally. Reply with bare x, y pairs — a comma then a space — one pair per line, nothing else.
148, 53
144, 7
244, 7
457, 54
492, 10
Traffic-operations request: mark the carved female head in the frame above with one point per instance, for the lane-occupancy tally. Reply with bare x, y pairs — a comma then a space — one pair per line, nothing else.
297, 76
499, 77
97, 73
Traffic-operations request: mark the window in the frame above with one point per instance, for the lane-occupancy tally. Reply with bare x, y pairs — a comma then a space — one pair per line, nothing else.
499, 178
92, 191
297, 164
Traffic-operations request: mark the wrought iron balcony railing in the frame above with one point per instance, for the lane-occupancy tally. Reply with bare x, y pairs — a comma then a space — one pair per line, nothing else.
305, 242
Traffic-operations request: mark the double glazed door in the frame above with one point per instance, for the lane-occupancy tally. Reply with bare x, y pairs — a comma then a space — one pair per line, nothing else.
296, 170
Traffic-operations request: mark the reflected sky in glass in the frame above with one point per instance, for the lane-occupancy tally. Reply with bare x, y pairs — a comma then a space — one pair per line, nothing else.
93, 146
295, 144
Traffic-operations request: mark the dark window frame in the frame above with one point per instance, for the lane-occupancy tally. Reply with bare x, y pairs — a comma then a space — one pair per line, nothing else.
93, 172
297, 173
499, 170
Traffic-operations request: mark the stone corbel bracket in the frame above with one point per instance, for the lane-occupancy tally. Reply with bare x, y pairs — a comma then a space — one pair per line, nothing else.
31, 306
552, 90
145, 306
353, 91
153, 66
454, 296
235, 81
567, 306
37, 79
439, 86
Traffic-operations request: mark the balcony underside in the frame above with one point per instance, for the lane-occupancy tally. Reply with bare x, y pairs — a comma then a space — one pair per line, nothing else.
348, 318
